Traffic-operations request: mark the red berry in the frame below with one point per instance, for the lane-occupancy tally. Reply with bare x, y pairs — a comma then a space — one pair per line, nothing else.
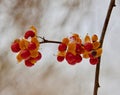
88, 46
91, 56
15, 47
29, 33
78, 58
62, 47
25, 54
70, 58
93, 61
60, 58
32, 46
28, 63
39, 56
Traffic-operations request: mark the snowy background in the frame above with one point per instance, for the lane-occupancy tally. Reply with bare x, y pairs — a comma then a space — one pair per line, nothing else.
54, 20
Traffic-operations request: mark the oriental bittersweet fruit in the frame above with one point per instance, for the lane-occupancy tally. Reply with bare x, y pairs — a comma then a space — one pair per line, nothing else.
39, 56
62, 47
60, 58
94, 38
25, 54
78, 58
88, 46
28, 63
70, 58
15, 47
93, 61
32, 46
28, 34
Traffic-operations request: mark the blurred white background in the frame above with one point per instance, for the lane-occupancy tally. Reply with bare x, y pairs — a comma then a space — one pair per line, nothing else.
54, 20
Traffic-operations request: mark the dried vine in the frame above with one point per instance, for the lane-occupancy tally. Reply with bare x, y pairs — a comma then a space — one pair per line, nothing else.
96, 84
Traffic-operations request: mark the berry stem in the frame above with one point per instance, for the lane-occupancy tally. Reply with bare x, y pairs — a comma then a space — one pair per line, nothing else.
96, 84
48, 41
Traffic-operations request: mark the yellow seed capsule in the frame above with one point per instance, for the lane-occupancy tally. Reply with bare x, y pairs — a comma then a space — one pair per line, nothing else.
22, 44
34, 53
96, 45
87, 38
75, 35
34, 29
65, 41
26, 43
94, 38
35, 40
86, 54
19, 58
61, 53
72, 46
33, 61
82, 49
76, 38
99, 52
16, 40
71, 51
79, 40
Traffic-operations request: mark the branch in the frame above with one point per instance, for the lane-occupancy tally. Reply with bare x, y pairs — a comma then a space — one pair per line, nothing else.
48, 41
96, 84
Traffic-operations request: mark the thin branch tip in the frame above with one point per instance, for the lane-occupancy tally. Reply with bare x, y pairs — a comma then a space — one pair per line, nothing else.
48, 41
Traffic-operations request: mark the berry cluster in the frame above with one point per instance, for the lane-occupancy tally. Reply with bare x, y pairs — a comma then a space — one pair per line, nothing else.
27, 48
72, 49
